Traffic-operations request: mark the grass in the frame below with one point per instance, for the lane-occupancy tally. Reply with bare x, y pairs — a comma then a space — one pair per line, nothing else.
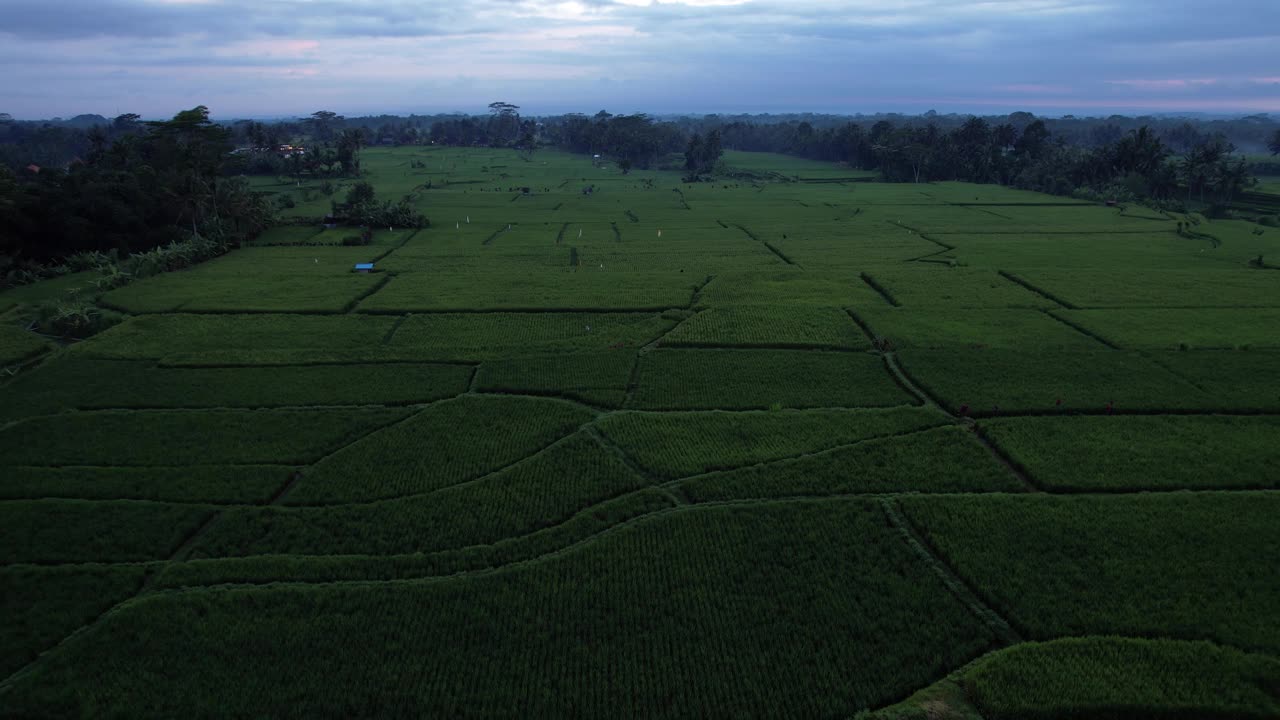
59, 385
769, 326
454, 441
18, 345
758, 379
494, 336
66, 531
1173, 329
1122, 678
255, 280
679, 444
632, 453
993, 381
1146, 565
566, 288
924, 286
265, 569
192, 484
1161, 452
185, 437
157, 336
666, 594
1157, 288
42, 605
973, 327
548, 489
787, 287
944, 459
596, 378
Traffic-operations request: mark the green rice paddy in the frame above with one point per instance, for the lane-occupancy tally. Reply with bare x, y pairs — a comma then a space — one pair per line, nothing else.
789, 443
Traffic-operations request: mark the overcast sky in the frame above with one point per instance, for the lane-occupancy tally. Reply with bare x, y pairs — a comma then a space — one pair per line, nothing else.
288, 57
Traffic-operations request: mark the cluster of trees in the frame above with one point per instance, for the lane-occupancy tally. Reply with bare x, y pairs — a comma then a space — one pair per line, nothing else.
138, 186
363, 208
1136, 165
632, 140
701, 156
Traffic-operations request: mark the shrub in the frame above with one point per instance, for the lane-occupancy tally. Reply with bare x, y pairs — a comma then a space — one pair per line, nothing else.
76, 316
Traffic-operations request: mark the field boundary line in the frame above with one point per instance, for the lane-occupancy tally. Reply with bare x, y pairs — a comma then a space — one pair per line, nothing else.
781, 255
391, 331
880, 289
918, 390
494, 235
351, 306
1017, 469
461, 483
607, 444
549, 555
697, 292
150, 574
633, 380
1038, 291
675, 482
1001, 628
769, 246
1081, 329
926, 399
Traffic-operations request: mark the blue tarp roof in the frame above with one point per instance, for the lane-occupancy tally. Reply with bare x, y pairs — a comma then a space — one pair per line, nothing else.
364, 266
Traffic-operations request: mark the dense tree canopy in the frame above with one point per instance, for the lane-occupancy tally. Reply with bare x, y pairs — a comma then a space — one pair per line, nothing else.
137, 186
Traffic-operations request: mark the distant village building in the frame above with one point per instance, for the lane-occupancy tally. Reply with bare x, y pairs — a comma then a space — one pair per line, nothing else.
364, 267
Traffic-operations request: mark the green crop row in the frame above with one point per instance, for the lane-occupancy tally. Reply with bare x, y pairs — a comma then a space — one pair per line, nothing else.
445, 444
1181, 328
60, 384
798, 609
156, 336
753, 379
1180, 565
42, 605
769, 326
1147, 287
980, 382
945, 327
933, 285
1124, 679
194, 484
565, 288
1160, 452
283, 292
263, 569
546, 490
596, 378
944, 459
680, 444
495, 336
67, 531
188, 437
17, 345
788, 287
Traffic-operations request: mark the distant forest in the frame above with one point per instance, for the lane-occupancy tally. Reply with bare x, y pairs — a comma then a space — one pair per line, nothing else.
126, 185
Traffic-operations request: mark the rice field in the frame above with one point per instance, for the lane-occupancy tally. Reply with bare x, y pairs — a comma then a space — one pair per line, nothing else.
788, 443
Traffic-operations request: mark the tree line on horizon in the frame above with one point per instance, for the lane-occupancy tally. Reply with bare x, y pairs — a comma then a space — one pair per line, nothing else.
128, 185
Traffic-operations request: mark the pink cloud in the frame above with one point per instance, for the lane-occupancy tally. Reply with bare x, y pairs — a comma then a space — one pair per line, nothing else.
1168, 84
1033, 88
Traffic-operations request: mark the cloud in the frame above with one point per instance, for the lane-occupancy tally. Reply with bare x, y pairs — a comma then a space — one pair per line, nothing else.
291, 56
